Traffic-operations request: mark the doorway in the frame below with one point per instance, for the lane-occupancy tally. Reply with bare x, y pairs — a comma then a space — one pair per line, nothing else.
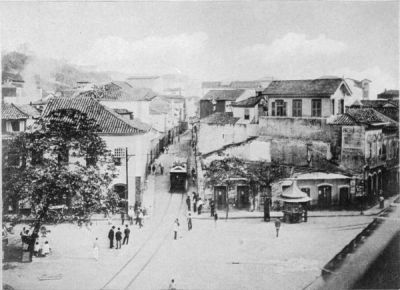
243, 200
220, 197
324, 196
344, 197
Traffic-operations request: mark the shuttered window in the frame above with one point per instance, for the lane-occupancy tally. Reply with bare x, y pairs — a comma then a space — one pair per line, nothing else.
297, 105
280, 108
273, 109
316, 108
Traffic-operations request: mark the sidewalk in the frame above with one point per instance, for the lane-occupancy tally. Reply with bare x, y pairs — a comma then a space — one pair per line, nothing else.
244, 214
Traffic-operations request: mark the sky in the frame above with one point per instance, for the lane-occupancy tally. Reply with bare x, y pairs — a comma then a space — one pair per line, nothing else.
241, 40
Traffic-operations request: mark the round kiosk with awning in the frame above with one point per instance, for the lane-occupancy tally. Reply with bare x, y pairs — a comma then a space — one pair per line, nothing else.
294, 203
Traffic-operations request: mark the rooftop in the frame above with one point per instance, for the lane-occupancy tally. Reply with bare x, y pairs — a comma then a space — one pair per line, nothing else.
220, 118
109, 121
12, 112
316, 87
223, 95
29, 110
250, 102
358, 116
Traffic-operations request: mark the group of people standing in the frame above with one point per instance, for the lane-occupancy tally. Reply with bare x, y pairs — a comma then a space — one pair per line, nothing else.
197, 203
117, 236
156, 169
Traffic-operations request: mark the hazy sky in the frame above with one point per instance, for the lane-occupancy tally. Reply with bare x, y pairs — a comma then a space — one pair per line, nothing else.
214, 41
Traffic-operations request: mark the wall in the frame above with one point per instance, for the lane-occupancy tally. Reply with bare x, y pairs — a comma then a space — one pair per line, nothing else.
312, 128
206, 108
139, 146
353, 147
141, 109
214, 137
159, 122
239, 112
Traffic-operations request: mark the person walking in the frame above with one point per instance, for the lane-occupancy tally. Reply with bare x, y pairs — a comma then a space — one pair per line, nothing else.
118, 238
172, 285
96, 249
161, 169
199, 206
176, 229
111, 237
122, 217
140, 218
215, 219
188, 202
266, 210
153, 168
189, 221
127, 232
277, 226
212, 207
131, 213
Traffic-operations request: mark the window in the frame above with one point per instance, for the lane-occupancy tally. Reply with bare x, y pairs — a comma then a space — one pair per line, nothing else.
333, 107
273, 109
306, 190
119, 153
316, 108
246, 114
280, 108
341, 106
117, 161
297, 104
15, 126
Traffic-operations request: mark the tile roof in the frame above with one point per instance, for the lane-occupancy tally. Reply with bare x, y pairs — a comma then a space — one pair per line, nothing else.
358, 116
390, 112
373, 103
11, 112
29, 110
316, 87
389, 93
210, 85
109, 121
220, 118
11, 76
245, 84
223, 95
250, 102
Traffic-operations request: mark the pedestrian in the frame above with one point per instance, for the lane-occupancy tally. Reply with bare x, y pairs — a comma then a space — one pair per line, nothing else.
46, 248
188, 202
215, 219
122, 217
193, 172
189, 220
277, 226
251, 201
36, 249
127, 232
118, 238
162, 170
140, 217
172, 285
199, 206
381, 202
176, 229
96, 249
153, 168
212, 207
131, 213
266, 210
111, 237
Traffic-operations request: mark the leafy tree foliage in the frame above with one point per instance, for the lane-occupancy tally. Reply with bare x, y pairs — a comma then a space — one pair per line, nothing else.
41, 175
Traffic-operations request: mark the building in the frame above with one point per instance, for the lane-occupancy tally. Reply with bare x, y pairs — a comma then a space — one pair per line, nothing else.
318, 98
16, 118
129, 140
121, 95
221, 100
370, 148
250, 109
389, 95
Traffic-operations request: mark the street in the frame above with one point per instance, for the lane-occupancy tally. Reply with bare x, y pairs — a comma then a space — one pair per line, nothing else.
240, 253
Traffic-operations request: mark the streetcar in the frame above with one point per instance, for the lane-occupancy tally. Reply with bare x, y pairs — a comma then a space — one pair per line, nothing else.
179, 176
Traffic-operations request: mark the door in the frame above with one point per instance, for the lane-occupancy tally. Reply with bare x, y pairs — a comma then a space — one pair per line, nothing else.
220, 197
344, 196
324, 196
243, 197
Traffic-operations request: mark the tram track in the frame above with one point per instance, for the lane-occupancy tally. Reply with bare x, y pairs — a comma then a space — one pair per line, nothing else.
141, 247
161, 243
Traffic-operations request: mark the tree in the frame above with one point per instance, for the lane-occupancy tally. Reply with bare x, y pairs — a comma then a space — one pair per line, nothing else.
35, 166
257, 174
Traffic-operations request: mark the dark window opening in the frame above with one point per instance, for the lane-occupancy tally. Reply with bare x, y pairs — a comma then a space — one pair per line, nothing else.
273, 109
246, 114
297, 108
280, 108
117, 161
15, 126
316, 108
333, 107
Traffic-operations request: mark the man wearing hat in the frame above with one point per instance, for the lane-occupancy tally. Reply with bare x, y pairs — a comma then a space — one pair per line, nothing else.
111, 237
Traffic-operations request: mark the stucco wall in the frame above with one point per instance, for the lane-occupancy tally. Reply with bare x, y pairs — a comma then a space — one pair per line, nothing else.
313, 129
140, 109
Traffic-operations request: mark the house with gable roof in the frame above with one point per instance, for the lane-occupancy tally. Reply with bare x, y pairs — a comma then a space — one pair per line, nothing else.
370, 148
122, 136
